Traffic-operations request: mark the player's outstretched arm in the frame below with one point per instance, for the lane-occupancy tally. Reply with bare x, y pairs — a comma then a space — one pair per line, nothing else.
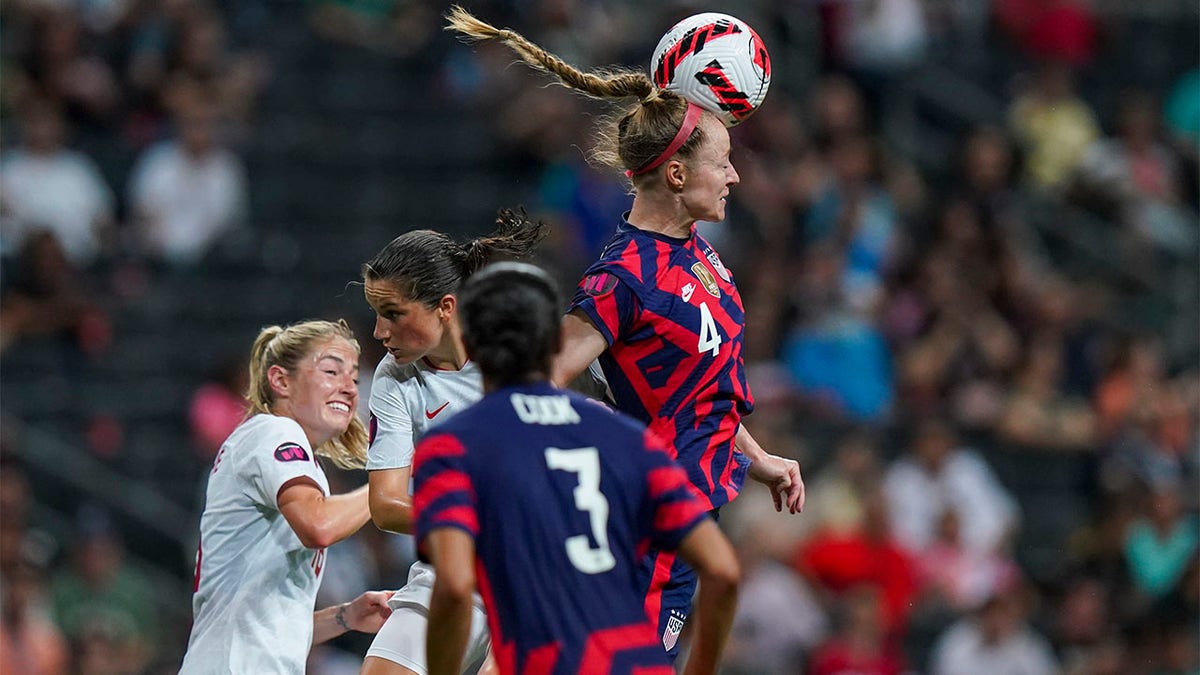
582, 342
707, 550
779, 474
452, 552
391, 505
366, 613
319, 520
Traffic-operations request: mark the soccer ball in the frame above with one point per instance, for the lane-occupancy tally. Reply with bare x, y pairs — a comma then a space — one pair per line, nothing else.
717, 62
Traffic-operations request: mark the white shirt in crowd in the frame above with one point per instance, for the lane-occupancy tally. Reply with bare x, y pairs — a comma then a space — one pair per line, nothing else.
63, 192
917, 499
186, 202
962, 649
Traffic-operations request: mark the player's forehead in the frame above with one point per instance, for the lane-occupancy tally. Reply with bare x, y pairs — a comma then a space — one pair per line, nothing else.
334, 350
380, 292
716, 137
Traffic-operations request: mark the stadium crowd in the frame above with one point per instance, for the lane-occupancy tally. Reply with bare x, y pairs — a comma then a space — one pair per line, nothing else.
942, 301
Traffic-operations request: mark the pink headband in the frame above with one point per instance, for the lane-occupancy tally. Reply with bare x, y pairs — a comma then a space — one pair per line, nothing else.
685, 130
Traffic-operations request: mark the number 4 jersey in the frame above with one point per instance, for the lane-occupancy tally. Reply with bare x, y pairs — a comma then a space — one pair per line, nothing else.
563, 498
673, 320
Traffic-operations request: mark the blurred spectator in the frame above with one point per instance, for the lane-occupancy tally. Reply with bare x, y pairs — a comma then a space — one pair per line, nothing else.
1057, 30
875, 40
1053, 125
779, 620
44, 184
1038, 412
861, 644
997, 639
391, 26
987, 179
201, 57
218, 406
838, 111
938, 474
61, 64
30, 644
835, 495
839, 561
883, 36
103, 606
858, 215
1148, 420
837, 358
1161, 546
185, 194
1138, 371
959, 579
1138, 177
1086, 631
1182, 111
45, 296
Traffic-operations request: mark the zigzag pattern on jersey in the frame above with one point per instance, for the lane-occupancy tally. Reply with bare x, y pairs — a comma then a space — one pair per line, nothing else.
699, 431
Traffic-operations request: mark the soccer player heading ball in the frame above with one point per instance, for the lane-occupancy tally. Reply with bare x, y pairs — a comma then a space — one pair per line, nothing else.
552, 497
659, 308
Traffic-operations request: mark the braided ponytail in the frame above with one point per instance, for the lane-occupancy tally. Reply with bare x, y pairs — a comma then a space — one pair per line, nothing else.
627, 142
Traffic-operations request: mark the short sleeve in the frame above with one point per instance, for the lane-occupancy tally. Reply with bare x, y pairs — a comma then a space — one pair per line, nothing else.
283, 456
391, 428
608, 301
443, 494
675, 503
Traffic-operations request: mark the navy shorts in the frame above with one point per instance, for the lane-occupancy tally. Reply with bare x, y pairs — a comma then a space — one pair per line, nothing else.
668, 584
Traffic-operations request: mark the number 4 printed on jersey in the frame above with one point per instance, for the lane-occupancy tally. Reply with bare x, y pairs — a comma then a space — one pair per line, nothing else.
710, 338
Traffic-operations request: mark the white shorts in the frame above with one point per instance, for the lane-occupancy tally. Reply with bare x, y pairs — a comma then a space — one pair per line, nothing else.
402, 638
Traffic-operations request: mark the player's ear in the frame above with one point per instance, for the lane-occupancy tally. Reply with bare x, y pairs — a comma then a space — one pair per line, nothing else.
446, 306
277, 377
676, 174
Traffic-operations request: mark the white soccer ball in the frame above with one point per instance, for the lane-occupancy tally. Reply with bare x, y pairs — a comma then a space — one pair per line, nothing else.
717, 62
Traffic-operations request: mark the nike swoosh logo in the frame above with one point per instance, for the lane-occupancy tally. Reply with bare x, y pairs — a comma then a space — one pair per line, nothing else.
431, 415
687, 292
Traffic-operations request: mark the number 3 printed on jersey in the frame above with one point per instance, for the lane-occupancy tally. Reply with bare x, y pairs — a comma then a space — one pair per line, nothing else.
585, 464
710, 338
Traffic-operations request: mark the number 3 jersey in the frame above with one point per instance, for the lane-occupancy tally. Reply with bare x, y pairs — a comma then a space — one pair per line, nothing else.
673, 320
255, 582
563, 497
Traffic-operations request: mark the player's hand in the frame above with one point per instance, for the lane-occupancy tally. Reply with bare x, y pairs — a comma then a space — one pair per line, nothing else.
782, 477
367, 612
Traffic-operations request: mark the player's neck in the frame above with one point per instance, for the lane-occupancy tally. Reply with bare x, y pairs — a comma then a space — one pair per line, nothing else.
661, 213
451, 354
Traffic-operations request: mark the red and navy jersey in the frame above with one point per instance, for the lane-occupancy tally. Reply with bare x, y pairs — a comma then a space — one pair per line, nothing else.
563, 498
673, 319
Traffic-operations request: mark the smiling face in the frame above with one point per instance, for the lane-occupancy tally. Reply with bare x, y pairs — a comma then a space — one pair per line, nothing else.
710, 173
321, 392
407, 328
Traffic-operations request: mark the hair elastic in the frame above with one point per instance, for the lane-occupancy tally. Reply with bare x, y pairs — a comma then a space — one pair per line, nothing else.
685, 130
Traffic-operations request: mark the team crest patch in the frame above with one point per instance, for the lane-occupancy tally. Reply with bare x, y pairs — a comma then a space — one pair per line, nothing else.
706, 278
600, 283
291, 452
671, 633
718, 265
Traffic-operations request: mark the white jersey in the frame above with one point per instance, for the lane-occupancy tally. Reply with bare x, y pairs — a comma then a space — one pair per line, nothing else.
407, 400
255, 584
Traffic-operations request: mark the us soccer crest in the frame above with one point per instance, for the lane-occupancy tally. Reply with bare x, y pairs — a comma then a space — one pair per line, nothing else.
674, 627
717, 264
706, 278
